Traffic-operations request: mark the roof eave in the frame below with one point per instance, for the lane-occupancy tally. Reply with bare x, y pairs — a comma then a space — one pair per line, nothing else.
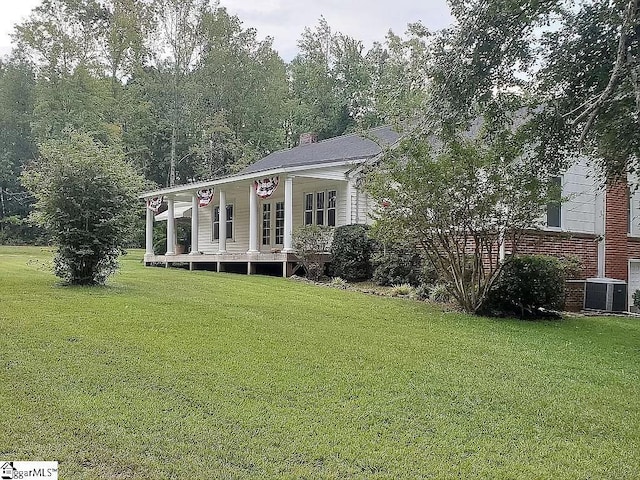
247, 176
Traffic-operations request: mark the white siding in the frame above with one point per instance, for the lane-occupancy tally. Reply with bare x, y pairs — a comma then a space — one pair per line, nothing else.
579, 212
634, 212
582, 209
238, 195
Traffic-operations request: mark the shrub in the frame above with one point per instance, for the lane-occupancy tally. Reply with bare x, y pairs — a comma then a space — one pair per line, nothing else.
439, 293
351, 252
338, 282
636, 299
527, 284
422, 291
397, 265
87, 202
312, 244
572, 266
402, 290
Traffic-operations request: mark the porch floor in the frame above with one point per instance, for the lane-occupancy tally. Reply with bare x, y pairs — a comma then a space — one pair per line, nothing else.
232, 262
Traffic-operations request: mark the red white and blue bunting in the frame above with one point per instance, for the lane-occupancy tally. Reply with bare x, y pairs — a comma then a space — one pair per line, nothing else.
155, 203
266, 187
205, 196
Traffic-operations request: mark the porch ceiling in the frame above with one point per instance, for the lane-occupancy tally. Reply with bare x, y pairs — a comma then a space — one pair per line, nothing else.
179, 211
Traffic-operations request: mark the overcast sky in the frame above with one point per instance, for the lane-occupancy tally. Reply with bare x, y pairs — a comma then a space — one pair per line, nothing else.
284, 20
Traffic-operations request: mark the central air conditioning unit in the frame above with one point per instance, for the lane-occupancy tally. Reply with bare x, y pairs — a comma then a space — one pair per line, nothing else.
606, 294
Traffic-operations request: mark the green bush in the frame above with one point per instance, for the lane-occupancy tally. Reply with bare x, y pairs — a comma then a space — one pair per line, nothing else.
87, 201
397, 265
403, 290
636, 299
351, 252
337, 282
312, 244
527, 285
439, 293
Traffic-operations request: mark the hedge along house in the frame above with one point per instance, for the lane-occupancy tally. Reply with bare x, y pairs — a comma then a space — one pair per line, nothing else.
245, 222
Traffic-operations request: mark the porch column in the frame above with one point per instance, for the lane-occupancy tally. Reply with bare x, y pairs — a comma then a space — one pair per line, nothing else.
171, 228
194, 224
253, 220
288, 214
149, 232
222, 224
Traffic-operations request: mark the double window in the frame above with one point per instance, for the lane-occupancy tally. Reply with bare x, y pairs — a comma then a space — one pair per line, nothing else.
268, 223
320, 208
216, 222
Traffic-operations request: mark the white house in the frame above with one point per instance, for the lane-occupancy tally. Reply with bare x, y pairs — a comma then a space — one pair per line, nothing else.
249, 219
315, 183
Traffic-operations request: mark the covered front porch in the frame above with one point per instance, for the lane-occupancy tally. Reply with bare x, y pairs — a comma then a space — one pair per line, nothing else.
244, 227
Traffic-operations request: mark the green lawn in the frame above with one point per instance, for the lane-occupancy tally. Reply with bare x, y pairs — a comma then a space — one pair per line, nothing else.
174, 374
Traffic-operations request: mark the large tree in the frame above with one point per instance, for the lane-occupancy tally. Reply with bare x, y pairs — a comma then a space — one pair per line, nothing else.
17, 85
462, 201
575, 64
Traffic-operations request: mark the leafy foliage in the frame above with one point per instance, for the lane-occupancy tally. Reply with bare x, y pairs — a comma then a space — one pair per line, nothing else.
636, 299
528, 283
351, 252
575, 65
87, 201
459, 202
312, 244
398, 264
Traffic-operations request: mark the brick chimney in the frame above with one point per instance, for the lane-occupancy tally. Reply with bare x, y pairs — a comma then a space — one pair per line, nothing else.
308, 138
616, 227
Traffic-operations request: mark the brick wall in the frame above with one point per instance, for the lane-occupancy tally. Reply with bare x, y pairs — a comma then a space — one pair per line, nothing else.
616, 227
574, 295
562, 244
633, 248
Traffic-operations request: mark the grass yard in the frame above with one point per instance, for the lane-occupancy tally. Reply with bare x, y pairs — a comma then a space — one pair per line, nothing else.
175, 374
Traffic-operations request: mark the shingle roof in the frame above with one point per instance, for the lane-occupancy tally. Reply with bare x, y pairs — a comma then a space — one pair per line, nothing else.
345, 147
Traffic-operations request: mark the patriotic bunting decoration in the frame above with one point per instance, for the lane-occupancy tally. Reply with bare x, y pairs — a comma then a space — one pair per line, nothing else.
154, 203
205, 196
266, 187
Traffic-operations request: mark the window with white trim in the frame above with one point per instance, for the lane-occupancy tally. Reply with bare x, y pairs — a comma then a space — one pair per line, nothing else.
266, 224
279, 223
216, 222
320, 208
554, 207
331, 208
308, 208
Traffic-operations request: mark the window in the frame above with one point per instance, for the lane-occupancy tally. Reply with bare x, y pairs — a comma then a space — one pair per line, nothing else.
308, 209
279, 223
216, 222
331, 208
554, 207
266, 224
320, 208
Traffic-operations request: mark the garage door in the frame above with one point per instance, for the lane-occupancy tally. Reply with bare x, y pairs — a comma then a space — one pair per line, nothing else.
634, 281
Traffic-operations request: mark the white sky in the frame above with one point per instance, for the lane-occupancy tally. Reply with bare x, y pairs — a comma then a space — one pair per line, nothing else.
284, 20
